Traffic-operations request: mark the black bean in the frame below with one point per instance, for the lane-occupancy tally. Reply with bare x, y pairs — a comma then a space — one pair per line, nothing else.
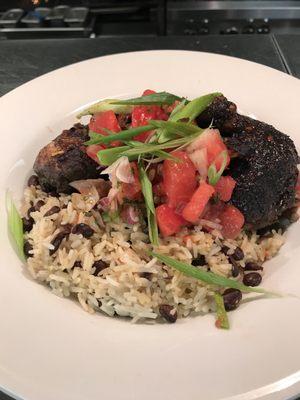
238, 254
232, 299
66, 228
199, 261
30, 210
53, 194
99, 266
252, 266
77, 264
233, 261
83, 229
146, 275
53, 210
56, 242
27, 224
235, 271
33, 181
39, 204
168, 312
252, 279
27, 249
225, 250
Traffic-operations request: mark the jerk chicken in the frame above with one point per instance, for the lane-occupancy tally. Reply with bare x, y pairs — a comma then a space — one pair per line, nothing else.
65, 160
263, 162
265, 168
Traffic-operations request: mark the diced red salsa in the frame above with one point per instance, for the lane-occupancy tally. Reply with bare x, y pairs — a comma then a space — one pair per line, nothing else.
107, 120
142, 114
195, 207
224, 187
232, 221
92, 151
179, 180
168, 221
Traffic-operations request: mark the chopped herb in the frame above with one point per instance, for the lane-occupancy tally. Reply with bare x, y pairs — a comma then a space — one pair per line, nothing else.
195, 107
148, 196
109, 156
171, 130
159, 98
15, 226
150, 148
222, 317
105, 105
178, 108
208, 277
123, 136
213, 174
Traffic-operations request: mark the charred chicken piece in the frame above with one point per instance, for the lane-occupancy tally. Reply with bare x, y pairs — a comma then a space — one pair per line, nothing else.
265, 169
65, 160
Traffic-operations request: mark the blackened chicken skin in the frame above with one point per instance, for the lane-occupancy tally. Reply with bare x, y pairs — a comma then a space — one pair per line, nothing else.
65, 160
265, 169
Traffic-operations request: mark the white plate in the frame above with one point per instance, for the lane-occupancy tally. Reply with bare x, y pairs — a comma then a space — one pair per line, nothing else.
51, 349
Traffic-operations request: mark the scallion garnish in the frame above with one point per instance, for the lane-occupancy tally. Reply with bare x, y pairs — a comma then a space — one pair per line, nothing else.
15, 226
123, 136
178, 108
213, 174
195, 107
105, 105
148, 196
222, 317
208, 277
109, 156
159, 98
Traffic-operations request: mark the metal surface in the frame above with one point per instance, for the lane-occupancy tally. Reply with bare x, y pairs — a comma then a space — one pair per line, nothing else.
230, 17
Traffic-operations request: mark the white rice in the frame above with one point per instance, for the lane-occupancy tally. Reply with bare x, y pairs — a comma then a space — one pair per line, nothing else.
122, 288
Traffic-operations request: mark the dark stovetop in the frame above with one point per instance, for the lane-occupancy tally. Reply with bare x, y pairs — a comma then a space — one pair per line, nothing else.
22, 60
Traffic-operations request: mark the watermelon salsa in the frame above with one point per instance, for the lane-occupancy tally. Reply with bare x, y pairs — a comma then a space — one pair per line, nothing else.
165, 166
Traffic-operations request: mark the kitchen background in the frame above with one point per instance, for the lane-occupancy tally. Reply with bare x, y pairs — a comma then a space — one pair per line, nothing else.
100, 18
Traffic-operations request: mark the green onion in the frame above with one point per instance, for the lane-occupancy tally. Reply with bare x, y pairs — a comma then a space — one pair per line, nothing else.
152, 147
159, 98
123, 136
105, 105
109, 156
148, 196
222, 317
177, 128
178, 108
195, 107
208, 277
213, 174
15, 226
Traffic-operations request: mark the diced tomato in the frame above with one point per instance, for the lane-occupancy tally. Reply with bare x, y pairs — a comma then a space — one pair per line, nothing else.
148, 91
212, 141
212, 212
232, 221
168, 221
92, 151
179, 179
195, 207
107, 120
142, 114
224, 187
132, 191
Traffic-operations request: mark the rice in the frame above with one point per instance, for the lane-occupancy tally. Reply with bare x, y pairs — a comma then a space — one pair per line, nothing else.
134, 284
